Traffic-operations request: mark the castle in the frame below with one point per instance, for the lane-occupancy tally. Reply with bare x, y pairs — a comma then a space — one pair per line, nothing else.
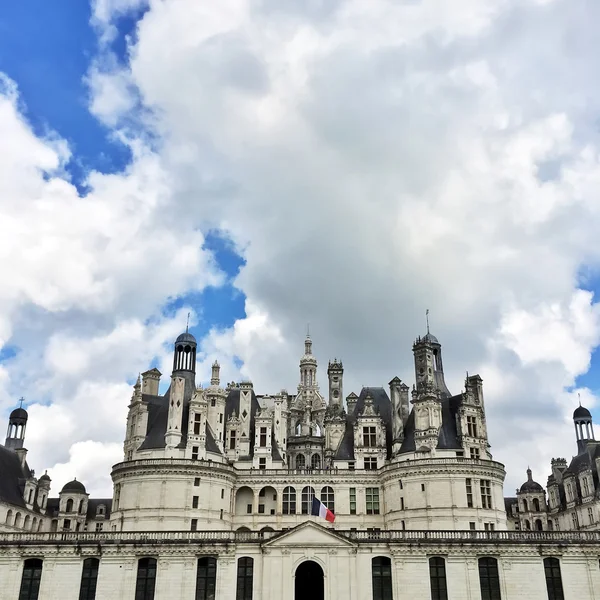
213, 498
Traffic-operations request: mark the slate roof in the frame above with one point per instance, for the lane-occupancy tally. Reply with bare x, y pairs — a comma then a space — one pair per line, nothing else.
382, 406
12, 477
92, 507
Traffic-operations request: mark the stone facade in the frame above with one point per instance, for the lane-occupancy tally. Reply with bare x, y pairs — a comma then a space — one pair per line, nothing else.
213, 498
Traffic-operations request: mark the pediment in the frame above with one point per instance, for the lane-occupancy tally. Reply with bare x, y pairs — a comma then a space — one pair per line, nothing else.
308, 535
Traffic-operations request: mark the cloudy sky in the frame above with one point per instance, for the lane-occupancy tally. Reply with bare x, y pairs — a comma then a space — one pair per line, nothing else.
264, 164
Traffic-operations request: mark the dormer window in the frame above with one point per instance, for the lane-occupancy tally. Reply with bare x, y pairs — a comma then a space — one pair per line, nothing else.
101, 510
370, 437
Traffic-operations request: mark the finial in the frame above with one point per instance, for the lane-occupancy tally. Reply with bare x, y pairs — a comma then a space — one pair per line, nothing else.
529, 478
21, 400
427, 319
308, 330
187, 325
579, 396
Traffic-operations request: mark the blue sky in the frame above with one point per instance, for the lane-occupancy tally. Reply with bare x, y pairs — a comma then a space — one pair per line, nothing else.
347, 168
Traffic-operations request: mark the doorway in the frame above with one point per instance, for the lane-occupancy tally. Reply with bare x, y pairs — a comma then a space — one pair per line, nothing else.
309, 581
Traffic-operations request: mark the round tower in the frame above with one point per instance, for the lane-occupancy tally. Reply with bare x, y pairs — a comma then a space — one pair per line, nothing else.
532, 505
584, 428
185, 353
17, 423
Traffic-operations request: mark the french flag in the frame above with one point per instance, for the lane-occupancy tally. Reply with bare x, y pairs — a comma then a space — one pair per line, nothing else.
318, 509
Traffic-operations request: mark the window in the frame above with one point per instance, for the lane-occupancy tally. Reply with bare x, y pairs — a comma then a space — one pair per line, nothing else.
536, 505
249, 508
232, 440
245, 572
262, 463
263, 437
221, 514
400, 483
472, 525
586, 487
422, 487
371, 463
591, 515
220, 417
489, 580
575, 522
146, 579
194, 452
372, 500
101, 510
474, 452
30, 580
553, 579
328, 498
370, 437
351, 465
488, 526
381, 573
486, 493
308, 494
469, 489
197, 424
289, 501
437, 578
213, 402
67, 524
69, 505
300, 461
99, 526
196, 481
222, 493
89, 577
195, 501
315, 461
352, 501
472, 426
206, 578
402, 503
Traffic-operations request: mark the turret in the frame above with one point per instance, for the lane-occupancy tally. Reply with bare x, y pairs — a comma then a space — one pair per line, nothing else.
429, 369
174, 421
400, 411
17, 423
335, 374
151, 382
584, 428
215, 380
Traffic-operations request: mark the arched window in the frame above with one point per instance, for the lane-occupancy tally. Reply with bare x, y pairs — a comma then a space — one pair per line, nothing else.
525, 508
536, 505
308, 494
26, 522
9, 515
553, 579
18, 520
245, 574
101, 510
550, 525
569, 492
206, 578
289, 501
328, 498
89, 578
437, 578
527, 524
381, 574
538, 525
69, 505
300, 461
30, 580
34, 524
146, 579
489, 579
315, 461
81, 507
298, 428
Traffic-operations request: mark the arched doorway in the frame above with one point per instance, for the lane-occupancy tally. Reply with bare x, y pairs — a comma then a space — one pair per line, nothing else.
309, 584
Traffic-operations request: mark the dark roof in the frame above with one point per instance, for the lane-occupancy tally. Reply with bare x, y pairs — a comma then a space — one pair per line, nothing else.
18, 414
508, 504
211, 445
448, 437
581, 412
531, 487
44, 477
92, 507
73, 487
52, 507
12, 477
185, 337
382, 406
430, 338
275, 453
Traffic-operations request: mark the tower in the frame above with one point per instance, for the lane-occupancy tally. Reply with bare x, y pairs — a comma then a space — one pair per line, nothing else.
17, 423
216, 398
584, 428
335, 374
400, 412
428, 363
184, 361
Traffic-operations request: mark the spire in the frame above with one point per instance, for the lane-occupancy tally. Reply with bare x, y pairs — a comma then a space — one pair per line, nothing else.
529, 477
215, 378
427, 320
308, 345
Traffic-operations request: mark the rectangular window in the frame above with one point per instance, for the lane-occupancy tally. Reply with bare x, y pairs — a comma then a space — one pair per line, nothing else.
403, 525
99, 526
351, 465
400, 483
30, 580
352, 501
245, 575
262, 463
196, 481
289, 501
422, 487
474, 452
437, 578
194, 525
222, 493
67, 524
469, 488
197, 424
212, 402
575, 521
472, 426
472, 526
489, 579
591, 515
89, 578
232, 440
146, 579
194, 452
486, 493
402, 503
249, 509
488, 526
220, 417
206, 578
221, 515
381, 574
263, 437
553, 579
371, 463
261, 509
195, 501
372, 500
370, 437
586, 487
